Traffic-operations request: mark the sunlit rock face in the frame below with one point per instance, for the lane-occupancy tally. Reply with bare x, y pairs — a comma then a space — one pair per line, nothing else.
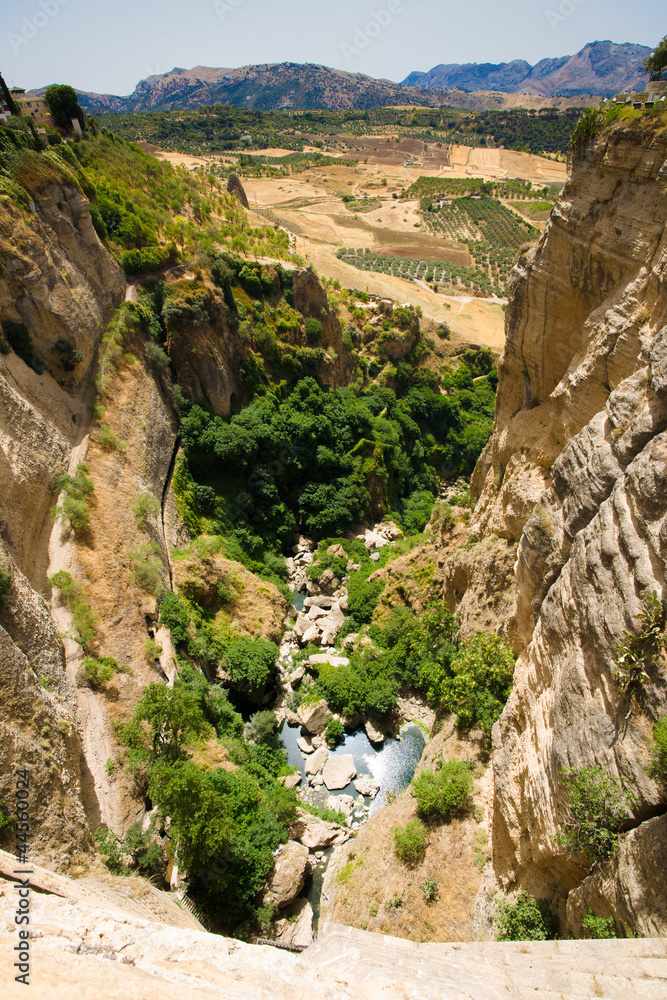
576, 471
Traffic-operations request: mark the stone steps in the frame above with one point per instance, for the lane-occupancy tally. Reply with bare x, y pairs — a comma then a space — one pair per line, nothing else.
628, 969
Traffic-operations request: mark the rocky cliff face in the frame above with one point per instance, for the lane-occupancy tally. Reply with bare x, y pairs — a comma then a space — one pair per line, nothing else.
61, 285
576, 472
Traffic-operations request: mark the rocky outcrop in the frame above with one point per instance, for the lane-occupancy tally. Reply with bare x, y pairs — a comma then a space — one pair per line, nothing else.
631, 888
577, 471
289, 874
235, 187
310, 299
314, 717
317, 834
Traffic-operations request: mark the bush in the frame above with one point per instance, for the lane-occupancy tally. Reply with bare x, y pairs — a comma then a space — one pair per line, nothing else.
599, 928
363, 597
175, 615
147, 568
417, 511
251, 662
144, 506
99, 672
334, 732
109, 440
478, 682
658, 766
598, 806
152, 651
314, 330
73, 596
5, 586
156, 359
148, 259
74, 509
429, 890
251, 282
410, 842
446, 793
527, 919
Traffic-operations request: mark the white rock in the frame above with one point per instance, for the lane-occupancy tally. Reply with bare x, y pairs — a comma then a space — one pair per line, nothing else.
316, 761
314, 718
344, 803
312, 634
315, 613
332, 658
339, 771
297, 676
374, 734
290, 780
365, 785
305, 744
302, 625
320, 601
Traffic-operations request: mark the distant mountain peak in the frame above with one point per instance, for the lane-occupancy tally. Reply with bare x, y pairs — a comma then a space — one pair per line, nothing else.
602, 67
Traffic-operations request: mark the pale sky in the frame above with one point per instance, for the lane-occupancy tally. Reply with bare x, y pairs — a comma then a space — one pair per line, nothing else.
107, 46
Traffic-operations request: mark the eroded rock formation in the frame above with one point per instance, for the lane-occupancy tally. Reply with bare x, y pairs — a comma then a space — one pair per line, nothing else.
577, 471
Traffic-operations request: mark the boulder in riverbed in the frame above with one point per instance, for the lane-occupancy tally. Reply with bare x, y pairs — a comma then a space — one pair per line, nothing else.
314, 718
316, 761
365, 785
339, 771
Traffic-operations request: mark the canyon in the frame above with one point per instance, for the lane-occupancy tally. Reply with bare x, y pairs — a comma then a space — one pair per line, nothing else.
565, 542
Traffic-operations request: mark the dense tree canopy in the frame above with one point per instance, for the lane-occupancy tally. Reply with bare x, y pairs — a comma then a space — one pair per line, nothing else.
64, 104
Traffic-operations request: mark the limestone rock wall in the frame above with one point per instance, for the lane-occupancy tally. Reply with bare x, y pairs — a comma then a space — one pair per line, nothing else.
577, 471
61, 283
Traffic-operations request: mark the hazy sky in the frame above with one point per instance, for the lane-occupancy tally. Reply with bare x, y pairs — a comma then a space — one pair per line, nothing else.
107, 46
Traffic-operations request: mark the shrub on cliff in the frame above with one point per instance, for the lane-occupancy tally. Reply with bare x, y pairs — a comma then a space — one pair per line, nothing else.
5, 586
478, 682
444, 793
76, 490
527, 919
658, 766
599, 806
99, 672
410, 842
73, 596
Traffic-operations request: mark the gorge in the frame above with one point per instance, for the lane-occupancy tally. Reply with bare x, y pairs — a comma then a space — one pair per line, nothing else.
197, 429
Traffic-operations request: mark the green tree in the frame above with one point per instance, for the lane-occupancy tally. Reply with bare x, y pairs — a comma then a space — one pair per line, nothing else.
171, 718
64, 104
251, 662
657, 61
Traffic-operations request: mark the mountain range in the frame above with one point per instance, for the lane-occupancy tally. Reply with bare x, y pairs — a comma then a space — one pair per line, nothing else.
603, 68
600, 68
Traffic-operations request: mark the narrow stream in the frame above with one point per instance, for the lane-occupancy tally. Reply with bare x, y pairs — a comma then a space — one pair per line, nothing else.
392, 765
